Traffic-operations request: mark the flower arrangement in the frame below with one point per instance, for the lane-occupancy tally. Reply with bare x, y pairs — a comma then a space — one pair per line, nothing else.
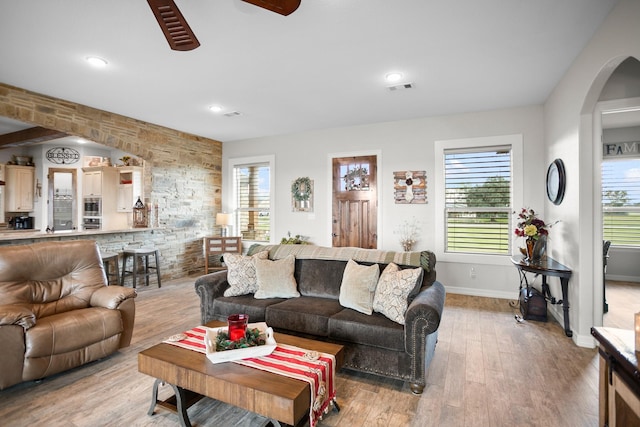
530, 226
409, 232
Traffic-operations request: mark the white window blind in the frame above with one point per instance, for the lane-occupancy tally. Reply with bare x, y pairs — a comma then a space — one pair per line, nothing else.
621, 201
478, 200
252, 201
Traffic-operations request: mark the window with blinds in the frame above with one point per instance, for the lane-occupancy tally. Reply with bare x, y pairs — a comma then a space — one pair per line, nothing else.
252, 201
621, 201
478, 200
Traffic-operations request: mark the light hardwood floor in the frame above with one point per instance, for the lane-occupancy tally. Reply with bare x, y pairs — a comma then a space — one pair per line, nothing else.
623, 299
488, 370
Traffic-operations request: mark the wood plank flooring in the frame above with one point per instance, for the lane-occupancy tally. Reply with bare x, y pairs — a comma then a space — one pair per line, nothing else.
488, 370
624, 300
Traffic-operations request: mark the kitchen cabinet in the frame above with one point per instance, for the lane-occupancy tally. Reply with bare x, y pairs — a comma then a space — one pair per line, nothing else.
99, 185
129, 187
19, 187
92, 183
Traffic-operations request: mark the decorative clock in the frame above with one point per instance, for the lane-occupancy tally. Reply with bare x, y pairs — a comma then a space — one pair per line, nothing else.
556, 181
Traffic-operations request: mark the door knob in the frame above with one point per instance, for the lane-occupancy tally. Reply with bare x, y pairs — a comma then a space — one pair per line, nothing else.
334, 235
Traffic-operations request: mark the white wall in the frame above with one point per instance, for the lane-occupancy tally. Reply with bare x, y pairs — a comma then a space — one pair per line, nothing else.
568, 118
402, 145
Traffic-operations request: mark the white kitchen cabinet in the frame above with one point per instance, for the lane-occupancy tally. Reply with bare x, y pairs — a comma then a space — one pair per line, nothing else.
19, 187
92, 183
129, 187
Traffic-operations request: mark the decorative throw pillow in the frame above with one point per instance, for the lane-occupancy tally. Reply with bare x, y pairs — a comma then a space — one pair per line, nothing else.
392, 291
275, 278
358, 285
241, 273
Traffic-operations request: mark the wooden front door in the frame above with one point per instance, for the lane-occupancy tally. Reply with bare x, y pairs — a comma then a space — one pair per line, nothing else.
355, 202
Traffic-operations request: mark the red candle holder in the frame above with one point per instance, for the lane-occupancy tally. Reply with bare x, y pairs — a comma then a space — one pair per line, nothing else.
237, 326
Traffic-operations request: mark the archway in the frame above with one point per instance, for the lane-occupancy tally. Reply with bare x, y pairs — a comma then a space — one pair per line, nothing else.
590, 173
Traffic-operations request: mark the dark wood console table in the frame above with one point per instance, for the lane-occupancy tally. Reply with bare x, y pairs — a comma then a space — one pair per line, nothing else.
619, 381
547, 267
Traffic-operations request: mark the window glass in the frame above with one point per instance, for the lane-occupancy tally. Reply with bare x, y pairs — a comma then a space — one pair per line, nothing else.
252, 201
621, 201
478, 211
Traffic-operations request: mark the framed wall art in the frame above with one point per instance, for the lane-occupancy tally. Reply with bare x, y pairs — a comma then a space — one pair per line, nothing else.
302, 195
410, 187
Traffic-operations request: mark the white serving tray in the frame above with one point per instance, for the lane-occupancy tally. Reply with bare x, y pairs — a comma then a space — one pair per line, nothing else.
240, 353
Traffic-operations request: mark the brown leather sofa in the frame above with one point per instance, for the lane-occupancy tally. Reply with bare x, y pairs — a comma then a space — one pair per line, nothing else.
56, 310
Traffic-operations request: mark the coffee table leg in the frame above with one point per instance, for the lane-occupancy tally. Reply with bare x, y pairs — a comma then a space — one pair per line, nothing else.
180, 405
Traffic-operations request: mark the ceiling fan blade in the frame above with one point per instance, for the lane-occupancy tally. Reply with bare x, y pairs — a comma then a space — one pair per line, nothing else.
173, 25
283, 7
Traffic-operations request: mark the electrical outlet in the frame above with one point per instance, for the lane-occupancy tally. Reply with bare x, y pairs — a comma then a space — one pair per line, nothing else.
472, 273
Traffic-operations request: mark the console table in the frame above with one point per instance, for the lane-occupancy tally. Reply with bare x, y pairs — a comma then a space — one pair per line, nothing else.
547, 267
619, 381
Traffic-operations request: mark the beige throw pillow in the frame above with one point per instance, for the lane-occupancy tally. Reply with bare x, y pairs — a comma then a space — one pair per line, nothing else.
275, 278
392, 291
358, 286
241, 273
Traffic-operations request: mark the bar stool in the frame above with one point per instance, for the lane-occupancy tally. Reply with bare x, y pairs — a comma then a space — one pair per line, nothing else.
144, 254
111, 269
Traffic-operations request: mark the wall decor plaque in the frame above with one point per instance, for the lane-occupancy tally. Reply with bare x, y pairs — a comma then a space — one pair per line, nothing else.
62, 155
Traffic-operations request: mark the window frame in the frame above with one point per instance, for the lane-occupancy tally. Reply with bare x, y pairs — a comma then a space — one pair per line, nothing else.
515, 143
232, 202
615, 209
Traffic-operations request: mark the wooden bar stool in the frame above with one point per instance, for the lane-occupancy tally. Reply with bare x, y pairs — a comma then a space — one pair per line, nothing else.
143, 270
111, 269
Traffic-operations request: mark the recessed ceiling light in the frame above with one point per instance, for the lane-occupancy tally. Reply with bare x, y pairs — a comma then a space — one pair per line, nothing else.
393, 77
96, 61
215, 108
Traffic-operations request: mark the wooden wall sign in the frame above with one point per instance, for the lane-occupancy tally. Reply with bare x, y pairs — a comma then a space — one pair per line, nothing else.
410, 187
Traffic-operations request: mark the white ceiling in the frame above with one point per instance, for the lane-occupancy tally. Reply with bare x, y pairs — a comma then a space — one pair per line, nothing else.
320, 67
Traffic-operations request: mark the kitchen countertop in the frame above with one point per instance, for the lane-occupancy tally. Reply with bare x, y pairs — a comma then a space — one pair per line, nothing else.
7, 235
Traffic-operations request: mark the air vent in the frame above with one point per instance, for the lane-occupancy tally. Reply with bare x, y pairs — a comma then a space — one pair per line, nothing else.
401, 86
232, 114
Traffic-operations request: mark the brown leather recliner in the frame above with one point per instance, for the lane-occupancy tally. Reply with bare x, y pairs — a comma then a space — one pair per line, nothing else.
56, 310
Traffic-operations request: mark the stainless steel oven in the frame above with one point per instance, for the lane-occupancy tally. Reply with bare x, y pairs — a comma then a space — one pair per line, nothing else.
92, 206
91, 223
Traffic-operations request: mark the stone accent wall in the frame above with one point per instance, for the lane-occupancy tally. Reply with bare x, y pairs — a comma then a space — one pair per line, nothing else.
183, 173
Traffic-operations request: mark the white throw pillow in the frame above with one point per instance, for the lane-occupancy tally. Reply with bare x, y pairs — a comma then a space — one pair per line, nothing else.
358, 286
392, 291
275, 278
241, 273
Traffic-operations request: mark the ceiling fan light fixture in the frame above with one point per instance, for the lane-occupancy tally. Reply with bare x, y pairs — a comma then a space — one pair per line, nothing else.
96, 61
215, 108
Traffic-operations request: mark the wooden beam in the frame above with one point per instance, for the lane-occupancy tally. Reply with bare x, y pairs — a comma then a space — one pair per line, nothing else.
32, 135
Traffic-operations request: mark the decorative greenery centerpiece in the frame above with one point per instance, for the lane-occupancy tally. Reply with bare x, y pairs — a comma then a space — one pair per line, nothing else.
252, 338
296, 240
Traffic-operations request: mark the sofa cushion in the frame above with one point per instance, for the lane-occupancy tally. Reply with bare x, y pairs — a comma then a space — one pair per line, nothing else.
65, 332
358, 286
308, 315
245, 304
241, 273
275, 278
375, 330
319, 277
393, 290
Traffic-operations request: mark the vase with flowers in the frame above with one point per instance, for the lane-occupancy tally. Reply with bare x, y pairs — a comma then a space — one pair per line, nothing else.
535, 232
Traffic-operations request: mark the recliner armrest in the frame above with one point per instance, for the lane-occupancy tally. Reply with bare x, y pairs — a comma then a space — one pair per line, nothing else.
17, 315
111, 296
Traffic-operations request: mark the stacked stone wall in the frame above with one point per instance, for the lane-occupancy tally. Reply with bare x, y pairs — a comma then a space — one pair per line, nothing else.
183, 174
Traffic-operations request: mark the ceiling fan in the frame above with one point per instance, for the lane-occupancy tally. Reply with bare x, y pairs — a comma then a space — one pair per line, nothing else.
179, 34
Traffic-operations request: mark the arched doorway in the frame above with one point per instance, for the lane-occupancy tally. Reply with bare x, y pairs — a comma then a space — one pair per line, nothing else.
590, 137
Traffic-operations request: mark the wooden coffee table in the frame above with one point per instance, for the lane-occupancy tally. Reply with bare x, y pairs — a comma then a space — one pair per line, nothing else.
192, 376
